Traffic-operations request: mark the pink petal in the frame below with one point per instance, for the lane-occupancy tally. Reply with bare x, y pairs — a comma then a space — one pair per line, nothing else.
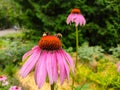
63, 73
30, 63
118, 66
40, 71
29, 52
119, 69
82, 20
78, 19
65, 63
69, 59
54, 67
49, 67
69, 18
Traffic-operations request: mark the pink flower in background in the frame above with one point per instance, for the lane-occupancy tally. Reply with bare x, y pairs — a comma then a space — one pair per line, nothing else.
5, 83
15, 88
3, 78
47, 58
76, 17
118, 66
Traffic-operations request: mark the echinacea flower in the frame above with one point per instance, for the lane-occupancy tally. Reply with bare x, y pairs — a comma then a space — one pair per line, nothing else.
3, 78
76, 17
118, 66
15, 88
48, 59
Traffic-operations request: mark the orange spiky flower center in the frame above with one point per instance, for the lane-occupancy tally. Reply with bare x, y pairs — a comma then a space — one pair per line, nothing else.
1, 76
50, 43
16, 87
75, 11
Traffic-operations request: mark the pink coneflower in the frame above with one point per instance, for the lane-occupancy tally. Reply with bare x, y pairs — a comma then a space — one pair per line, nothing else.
3, 78
76, 17
118, 66
15, 88
47, 58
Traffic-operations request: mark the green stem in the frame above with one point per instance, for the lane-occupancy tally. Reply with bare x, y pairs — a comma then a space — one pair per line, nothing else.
73, 78
76, 47
52, 86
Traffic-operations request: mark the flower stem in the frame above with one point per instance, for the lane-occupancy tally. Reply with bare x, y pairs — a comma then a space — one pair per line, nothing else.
73, 78
52, 86
76, 47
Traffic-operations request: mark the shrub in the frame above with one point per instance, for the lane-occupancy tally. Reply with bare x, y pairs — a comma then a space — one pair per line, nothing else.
115, 51
106, 76
101, 28
13, 49
10, 14
89, 54
13, 53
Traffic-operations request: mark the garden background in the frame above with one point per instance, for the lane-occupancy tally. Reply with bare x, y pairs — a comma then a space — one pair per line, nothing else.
99, 39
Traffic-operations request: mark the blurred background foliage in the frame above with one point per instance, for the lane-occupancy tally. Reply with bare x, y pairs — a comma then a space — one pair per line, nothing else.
102, 16
12, 48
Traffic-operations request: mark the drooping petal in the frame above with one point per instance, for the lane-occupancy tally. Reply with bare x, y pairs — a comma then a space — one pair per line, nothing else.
30, 63
40, 71
78, 19
69, 59
84, 21
55, 67
29, 53
65, 63
63, 73
81, 19
49, 67
69, 19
